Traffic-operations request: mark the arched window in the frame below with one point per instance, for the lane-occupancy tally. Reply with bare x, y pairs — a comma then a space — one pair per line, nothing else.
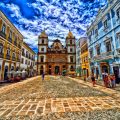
8, 51
42, 58
13, 55
1, 48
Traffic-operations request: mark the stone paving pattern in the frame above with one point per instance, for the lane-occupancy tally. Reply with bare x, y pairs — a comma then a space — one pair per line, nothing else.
41, 107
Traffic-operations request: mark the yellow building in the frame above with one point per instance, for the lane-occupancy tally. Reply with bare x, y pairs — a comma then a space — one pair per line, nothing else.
85, 69
10, 46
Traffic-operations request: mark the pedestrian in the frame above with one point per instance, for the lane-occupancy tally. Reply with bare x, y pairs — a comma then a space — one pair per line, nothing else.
106, 80
43, 75
93, 80
113, 81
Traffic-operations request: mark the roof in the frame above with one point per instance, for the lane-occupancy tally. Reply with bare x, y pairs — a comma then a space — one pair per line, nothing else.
43, 34
70, 35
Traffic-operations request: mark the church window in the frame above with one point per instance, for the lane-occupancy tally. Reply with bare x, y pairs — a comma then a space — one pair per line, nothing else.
42, 49
71, 49
42, 58
70, 41
42, 41
71, 59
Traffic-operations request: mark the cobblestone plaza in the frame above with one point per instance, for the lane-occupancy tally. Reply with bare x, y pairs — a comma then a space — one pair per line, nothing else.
37, 99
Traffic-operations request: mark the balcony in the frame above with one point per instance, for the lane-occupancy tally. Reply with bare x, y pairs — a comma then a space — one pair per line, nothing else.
2, 34
1, 55
8, 57
104, 56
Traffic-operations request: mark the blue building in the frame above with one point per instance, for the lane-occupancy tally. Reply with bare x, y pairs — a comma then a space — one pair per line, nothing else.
104, 40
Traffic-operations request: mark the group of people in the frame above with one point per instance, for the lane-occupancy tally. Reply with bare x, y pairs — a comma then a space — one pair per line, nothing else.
109, 80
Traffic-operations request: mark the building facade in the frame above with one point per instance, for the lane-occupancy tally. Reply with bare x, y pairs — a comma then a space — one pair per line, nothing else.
27, 59
10, 46
84, 57
56, 58
104, 40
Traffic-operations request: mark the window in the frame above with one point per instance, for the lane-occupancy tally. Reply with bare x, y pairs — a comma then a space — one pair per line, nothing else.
13, 55
26, 62
98, 50
4, 28
10, 34
42, 49
1, 48
42, 58
71, 49
91, 53
22, 60
8, 51
96, 32
118, 13
71, 59
108, 46
105, 24
42, 41
70, 41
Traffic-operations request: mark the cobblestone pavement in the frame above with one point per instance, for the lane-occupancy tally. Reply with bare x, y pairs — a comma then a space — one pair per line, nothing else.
55, 108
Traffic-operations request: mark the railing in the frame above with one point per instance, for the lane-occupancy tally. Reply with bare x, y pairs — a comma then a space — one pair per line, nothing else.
2, 34
104, 56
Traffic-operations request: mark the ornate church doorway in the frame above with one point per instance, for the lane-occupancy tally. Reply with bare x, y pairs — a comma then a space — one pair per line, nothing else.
57, 69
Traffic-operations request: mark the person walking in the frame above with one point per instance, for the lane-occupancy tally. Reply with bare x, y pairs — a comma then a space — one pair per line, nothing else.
93, 80
113, 81
43, 76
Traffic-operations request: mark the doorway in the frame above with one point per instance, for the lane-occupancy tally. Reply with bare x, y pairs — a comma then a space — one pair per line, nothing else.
57, 70
5, 72
105, 69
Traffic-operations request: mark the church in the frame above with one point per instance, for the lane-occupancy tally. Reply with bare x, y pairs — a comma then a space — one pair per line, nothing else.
54, 59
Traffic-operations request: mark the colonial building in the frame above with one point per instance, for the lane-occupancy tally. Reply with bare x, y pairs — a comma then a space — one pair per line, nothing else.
104, 40
27, 58
10, 46
84, 63
78, 57
56, 58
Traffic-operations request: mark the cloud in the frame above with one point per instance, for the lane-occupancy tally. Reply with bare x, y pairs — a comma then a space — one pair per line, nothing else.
57, 17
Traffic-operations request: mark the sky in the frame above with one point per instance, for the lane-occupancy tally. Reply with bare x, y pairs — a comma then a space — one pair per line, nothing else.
56, 17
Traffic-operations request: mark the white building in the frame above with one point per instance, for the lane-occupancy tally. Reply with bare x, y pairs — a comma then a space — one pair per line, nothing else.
27, 58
